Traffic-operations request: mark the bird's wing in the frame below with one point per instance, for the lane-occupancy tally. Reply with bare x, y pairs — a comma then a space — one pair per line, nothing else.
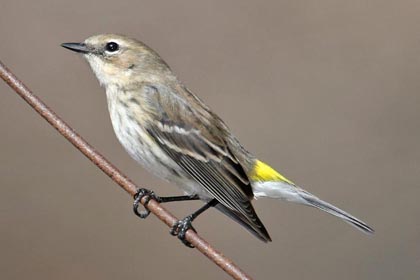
193, 137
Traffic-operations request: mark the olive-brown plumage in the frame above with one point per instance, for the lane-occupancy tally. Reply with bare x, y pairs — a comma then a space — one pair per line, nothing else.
173, 134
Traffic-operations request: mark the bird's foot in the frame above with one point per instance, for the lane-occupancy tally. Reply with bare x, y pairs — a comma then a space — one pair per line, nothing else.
137, 199
180, 229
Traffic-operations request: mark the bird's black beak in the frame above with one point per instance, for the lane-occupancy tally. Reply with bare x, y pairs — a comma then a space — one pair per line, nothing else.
76, 47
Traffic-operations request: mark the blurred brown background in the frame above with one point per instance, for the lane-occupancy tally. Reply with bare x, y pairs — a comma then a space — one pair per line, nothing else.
328, 92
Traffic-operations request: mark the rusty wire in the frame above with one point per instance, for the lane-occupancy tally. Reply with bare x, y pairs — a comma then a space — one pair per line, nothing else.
109, 169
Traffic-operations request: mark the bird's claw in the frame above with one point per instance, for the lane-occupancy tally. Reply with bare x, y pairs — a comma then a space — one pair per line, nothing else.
180, 229
137, 199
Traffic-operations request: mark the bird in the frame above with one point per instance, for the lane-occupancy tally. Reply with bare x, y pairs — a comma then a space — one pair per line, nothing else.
173, 134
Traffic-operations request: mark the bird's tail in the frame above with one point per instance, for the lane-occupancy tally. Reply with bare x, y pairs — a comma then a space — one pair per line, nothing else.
269, 183
314, 201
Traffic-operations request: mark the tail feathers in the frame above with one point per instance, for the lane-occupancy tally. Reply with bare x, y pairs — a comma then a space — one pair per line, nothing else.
314, 201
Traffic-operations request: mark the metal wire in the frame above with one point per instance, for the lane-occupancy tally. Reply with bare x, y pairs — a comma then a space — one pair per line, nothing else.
109, 169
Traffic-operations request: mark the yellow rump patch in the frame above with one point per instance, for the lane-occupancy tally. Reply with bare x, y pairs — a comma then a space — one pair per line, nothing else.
263, 172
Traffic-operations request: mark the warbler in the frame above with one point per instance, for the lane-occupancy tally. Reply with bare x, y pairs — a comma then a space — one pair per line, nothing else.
174, 135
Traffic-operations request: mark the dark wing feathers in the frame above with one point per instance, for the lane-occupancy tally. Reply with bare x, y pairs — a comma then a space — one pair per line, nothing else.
262, 235
202, 152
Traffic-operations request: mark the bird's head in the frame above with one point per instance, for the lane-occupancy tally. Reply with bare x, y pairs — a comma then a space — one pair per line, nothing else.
119, 60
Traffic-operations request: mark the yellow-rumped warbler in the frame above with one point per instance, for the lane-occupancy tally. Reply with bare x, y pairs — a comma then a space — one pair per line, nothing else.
173, 134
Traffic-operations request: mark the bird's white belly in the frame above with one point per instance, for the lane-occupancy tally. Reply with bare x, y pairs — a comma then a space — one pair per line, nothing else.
141, 147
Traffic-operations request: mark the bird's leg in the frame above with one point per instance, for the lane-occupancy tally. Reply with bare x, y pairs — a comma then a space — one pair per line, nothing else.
151, 195
181, 227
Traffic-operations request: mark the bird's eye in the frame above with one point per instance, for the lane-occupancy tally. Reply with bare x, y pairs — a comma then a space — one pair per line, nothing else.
112, 47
